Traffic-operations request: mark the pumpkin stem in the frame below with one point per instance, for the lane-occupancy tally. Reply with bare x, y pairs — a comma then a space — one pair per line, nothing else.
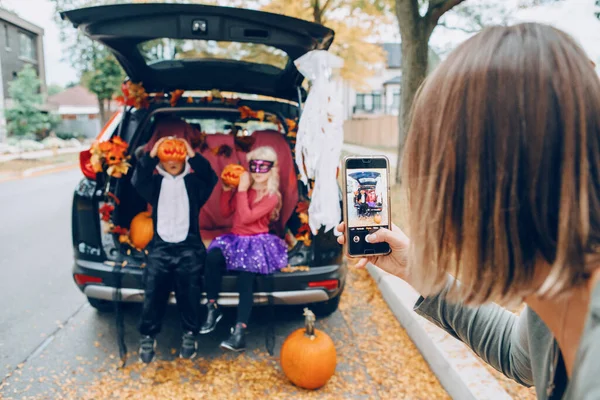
309, 322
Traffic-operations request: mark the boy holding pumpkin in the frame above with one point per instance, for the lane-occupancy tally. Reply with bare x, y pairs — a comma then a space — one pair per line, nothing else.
182, 184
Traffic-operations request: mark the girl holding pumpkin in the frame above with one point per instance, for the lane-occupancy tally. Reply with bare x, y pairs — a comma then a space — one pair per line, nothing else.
249, 249
182, 184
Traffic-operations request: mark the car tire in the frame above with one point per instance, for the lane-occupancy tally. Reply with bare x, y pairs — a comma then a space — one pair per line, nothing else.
326, 308
102, 306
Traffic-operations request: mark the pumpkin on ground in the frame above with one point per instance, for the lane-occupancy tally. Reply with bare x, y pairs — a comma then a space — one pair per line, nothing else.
172, 149
308, 356
141, 229
231, 174
377, 219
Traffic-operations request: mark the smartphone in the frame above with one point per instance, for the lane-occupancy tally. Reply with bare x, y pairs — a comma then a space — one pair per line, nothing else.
366, 203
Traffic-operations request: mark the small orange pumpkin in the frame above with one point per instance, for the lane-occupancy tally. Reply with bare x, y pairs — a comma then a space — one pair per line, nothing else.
172, 149
377, 219
231, 174
141, 229
308, 356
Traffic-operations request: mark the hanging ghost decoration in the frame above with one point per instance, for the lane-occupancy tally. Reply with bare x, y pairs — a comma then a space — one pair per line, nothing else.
320, 137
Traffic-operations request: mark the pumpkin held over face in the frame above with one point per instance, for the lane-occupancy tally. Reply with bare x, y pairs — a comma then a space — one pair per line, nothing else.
231, 174
172, 149
141, 229
308, 356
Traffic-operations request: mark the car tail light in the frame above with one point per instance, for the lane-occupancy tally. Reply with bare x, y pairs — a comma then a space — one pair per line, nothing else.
330, 284
85, 164
82, 279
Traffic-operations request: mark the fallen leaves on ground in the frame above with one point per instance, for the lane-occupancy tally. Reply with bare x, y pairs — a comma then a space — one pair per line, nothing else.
376, 360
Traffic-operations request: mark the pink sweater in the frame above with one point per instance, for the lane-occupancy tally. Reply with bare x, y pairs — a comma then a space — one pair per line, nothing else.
249, 218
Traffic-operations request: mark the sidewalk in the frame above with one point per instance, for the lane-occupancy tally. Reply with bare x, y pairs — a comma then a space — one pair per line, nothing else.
30, 155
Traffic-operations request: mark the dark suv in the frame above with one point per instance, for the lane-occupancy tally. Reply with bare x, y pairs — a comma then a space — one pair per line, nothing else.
206, 51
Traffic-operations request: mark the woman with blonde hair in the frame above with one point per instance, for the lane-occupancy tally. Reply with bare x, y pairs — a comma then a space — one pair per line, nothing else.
249, 249
502, 173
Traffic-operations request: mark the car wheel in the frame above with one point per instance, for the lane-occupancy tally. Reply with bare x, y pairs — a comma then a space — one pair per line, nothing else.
101, 305
326, 308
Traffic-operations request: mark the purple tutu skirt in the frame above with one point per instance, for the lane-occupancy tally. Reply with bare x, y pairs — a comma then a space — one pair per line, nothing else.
261, 254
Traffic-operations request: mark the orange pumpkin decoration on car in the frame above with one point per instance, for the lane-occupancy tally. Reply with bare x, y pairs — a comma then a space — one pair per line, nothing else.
172, 149
308, 356
231, 174
141, 229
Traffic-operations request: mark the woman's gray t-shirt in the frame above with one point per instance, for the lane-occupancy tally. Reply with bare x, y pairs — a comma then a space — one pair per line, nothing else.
522, 347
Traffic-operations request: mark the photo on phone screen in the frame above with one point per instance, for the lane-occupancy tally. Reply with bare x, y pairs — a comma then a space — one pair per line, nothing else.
367, 203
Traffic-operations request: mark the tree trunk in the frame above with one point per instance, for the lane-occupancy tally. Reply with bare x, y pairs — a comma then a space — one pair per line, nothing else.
102, 112
415, 51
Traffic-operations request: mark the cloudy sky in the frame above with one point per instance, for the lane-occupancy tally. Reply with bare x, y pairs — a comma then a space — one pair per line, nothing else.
574, 16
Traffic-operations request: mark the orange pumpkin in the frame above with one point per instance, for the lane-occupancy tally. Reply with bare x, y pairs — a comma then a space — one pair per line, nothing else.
141, 229
377, 219
172, 149
231, 174
308, 356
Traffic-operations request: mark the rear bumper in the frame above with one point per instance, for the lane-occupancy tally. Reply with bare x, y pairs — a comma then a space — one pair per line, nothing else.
226, 299
288, 288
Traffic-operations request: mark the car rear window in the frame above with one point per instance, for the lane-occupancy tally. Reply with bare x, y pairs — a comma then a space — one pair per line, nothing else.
158, 50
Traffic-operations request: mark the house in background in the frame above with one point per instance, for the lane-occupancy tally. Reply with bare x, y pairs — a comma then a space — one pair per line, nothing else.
371, 114
21, 43
79, 112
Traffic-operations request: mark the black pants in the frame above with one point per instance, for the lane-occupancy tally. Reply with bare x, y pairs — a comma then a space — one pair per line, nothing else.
172, 267
213, 275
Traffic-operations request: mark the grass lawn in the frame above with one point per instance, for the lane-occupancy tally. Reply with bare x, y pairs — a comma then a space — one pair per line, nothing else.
20, 165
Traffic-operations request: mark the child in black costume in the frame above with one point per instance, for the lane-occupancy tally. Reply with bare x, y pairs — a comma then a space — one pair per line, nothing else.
176, 253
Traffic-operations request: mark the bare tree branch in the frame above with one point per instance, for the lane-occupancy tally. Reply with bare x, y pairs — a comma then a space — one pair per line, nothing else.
437, 8
457, 28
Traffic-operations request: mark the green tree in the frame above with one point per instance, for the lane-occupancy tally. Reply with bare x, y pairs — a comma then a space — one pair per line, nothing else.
104, 80
54, 89
25, 116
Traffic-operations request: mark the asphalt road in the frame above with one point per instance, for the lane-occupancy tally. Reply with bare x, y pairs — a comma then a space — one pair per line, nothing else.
36, 289
47, 329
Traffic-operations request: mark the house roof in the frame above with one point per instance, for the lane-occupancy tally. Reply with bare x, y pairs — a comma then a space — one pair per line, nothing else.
76, 96
394, 54
394, 81
14, 19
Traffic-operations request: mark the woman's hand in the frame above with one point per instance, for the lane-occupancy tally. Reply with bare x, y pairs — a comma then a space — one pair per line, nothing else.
396, 262
154, 150
244, 182
226, 188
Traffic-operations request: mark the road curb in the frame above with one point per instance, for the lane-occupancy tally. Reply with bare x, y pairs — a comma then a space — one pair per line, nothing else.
43, 170
460, 372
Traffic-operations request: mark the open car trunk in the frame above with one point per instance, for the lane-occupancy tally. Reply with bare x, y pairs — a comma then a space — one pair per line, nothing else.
199, 47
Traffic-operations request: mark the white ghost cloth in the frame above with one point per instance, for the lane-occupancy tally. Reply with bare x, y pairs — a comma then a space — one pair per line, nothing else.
173, 209
320, 137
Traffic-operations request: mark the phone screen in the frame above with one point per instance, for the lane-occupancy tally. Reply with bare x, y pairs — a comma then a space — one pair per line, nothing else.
367, 205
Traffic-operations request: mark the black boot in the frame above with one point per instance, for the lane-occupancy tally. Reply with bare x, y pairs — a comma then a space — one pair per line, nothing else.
189, 346
213, 316
237, 339
147, 349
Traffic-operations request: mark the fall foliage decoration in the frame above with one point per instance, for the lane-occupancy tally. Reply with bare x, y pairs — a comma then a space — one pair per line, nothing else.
134, 95
303, 233
248, 113
175, 96
110, 157
308, 356
231, 174
141, 229
106, 212
172, 149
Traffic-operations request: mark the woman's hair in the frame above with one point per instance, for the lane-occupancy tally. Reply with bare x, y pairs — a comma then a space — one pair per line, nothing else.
268, 154
502, 167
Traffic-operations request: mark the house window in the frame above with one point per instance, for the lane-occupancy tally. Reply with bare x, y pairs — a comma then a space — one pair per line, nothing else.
396, 101
27, 46
368, 103
376, 102
360, 101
